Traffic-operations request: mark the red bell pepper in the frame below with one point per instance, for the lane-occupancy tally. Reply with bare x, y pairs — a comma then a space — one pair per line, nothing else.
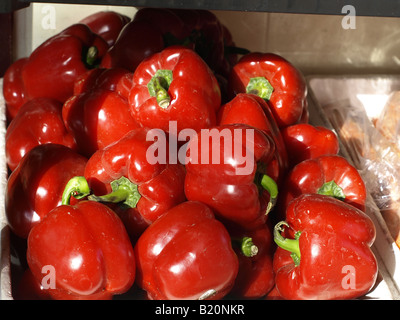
330, 175
167, 21
205, 35
274, 79
175, 85
150, 31
252, 110
86, 246
53, 67
99, 115
38, 121
36, 185
13, 88
186, 254
326, 253
154, 29
228, 168
107, 24
305, 141
125, 173
255, 276
136, 41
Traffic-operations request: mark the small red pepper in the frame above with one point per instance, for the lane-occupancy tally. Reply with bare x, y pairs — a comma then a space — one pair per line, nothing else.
228, 168
306, 141
53, 67
327, 253
330, 175
107, 24
124, 173
99, 115
255, 276
86, 247
254, 111
275, 79
36, 186
175, 85
186, 254
38, 121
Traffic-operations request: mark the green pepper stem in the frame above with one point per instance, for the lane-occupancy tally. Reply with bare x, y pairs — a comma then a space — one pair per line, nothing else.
77, 187
261, 87
332, 189
270, 185
291, 245
123, 191
91, 56
158, 87
247, 247
162, 96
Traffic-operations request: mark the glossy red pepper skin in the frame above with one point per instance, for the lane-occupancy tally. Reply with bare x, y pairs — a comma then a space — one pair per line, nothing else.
173, 255
30, 288
192, 97
306, 141
160, 186
118, 80
100, 114
255, 276
36, 185
106, 24
336, 261
52, 68
89, 249
254, 111
231, 186
289, 95
13, 88
311, 175
39, 121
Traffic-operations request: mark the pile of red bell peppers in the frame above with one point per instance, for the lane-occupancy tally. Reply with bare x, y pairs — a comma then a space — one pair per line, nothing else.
150, 157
